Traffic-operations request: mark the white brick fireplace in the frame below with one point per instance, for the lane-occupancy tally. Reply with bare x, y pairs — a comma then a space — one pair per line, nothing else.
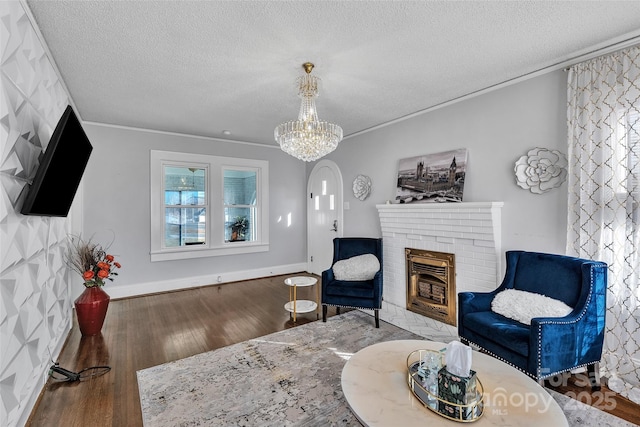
469, 230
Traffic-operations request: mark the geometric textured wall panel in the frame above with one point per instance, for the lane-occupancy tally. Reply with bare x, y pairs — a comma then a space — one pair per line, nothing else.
35, 306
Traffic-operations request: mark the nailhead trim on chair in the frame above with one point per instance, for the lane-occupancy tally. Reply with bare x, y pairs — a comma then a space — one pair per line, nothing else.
552, 322
555, 322
522, 370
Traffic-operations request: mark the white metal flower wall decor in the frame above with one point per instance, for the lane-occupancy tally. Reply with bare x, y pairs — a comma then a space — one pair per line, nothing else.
541, 170
361, 187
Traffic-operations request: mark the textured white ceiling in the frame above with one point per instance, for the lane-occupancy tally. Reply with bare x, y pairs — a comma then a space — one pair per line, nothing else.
201, 67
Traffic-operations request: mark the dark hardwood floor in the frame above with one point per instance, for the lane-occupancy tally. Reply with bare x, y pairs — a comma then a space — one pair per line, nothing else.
146, 331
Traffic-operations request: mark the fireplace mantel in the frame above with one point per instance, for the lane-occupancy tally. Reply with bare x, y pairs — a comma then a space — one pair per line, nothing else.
468, 220
452, 205
472, 231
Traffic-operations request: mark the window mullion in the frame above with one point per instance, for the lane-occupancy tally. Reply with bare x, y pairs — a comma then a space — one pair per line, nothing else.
190, 217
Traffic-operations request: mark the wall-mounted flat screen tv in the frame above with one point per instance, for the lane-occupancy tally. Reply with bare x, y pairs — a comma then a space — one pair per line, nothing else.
60, 170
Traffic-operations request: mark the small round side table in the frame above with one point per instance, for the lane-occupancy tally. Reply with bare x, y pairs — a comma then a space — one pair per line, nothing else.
295, 306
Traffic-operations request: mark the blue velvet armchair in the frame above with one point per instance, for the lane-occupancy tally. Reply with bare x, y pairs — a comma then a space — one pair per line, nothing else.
365, 294
550, 345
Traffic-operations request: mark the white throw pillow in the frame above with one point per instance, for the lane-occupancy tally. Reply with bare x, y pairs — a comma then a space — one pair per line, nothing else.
523, 306
361, 267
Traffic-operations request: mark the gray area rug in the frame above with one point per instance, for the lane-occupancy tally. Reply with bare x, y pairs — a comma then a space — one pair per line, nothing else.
289, 378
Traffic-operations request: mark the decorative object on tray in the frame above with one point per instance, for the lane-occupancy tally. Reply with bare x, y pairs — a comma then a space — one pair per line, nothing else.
430, 365
96, 266
432, 178
457, 383
450, 396
361, 187
541, 170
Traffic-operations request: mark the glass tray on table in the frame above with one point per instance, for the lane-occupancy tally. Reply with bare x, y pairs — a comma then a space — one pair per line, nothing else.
417, 373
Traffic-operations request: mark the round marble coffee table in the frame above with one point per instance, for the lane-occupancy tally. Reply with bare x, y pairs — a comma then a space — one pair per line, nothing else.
374, 383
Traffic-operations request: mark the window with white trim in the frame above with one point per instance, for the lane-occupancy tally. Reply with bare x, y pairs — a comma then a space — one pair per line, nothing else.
240, 204
185, 205
625, 160
207, 205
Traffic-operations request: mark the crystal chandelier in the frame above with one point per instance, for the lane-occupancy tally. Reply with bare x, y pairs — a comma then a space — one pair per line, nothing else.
308, 138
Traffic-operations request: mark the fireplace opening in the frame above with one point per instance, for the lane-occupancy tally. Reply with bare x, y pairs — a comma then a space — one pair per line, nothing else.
431, 284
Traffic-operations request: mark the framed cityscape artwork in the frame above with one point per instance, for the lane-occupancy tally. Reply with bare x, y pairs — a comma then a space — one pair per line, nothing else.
432, 178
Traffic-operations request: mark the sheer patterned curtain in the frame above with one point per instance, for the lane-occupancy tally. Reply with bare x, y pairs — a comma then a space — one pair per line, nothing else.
604, 196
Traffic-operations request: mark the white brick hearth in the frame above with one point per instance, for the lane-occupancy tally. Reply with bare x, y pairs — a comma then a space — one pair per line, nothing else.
469, 230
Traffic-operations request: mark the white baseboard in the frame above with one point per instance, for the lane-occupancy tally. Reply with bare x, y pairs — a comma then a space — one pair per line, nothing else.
150, 288
195, 281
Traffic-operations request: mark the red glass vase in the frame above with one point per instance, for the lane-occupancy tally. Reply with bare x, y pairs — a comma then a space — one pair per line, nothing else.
91, 309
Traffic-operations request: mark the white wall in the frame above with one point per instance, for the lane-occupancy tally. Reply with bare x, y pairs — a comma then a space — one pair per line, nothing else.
35, 307
497, 128
117, 204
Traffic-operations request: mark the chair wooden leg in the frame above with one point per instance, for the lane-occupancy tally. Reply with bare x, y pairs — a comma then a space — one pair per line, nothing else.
324, 312
337, 310
594, 376
377, 316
